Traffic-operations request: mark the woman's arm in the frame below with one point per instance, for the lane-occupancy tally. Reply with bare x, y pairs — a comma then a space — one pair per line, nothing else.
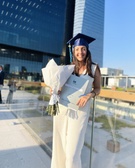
96, 89
97, 82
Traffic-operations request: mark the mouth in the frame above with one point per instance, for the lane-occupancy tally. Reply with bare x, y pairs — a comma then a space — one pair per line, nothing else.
80, 56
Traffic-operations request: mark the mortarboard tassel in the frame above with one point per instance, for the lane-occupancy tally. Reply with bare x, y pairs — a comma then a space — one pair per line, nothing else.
70, 53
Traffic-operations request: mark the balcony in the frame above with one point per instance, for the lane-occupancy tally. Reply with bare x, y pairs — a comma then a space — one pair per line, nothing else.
109, 140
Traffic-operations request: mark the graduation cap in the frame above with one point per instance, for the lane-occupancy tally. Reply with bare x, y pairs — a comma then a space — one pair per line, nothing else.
79, 40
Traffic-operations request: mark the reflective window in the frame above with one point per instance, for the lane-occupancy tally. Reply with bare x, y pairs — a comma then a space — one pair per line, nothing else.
37, 25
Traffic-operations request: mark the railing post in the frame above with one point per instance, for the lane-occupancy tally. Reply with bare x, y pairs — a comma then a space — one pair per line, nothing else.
92, 127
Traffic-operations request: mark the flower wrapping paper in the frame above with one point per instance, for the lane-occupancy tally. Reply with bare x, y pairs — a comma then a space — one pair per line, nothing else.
55, 77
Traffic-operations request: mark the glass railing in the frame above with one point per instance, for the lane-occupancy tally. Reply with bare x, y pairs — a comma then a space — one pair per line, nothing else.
113, 132
110, 137
28, 103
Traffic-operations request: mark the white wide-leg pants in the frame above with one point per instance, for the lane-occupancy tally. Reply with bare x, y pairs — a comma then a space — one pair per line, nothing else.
69, 129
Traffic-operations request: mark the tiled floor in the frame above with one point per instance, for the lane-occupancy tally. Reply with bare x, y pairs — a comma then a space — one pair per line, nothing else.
18, 149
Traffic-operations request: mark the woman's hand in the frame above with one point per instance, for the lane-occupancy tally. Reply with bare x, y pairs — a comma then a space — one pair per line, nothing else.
51, 91
59, 91
83, 100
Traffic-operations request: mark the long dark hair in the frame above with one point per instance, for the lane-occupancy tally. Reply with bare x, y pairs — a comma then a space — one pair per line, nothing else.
88, 62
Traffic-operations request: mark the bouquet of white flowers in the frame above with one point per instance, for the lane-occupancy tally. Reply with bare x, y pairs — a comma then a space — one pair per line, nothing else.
55, 77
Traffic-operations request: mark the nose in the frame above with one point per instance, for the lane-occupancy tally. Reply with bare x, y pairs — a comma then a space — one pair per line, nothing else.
80, 50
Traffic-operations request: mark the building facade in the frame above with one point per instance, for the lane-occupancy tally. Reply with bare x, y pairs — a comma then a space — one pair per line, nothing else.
33, 32
111, 72
112, 77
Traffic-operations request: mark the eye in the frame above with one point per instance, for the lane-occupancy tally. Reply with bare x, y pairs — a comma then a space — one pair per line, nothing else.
76, 49
84, 49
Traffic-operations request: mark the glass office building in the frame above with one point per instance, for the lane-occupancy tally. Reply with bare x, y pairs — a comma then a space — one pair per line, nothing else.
89, 19
32, 32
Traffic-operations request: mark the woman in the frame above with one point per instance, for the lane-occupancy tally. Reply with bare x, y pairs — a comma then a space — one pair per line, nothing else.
69, 125
12, 89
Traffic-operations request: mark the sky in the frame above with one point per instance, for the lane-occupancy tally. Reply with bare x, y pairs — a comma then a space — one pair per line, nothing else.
119, 35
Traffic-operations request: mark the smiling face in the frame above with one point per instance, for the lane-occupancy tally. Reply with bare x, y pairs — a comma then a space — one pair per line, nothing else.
80, 53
